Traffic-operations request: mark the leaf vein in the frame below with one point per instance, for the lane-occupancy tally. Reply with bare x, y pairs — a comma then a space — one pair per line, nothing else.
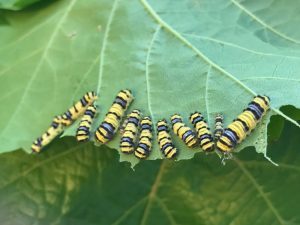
31, 31
167, 211
32, 54
275, 78
280, 165
90, 68
239, 46
128, 211
40, 63
264, 24
148, 86
260, 191
153, 192
40, 164
206, 93
104, 44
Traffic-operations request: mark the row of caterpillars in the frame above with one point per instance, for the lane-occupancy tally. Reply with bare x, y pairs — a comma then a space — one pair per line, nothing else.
136, 130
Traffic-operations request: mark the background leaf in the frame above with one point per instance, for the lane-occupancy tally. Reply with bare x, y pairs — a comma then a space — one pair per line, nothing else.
18, 4
81, 184
181, 56
276, 124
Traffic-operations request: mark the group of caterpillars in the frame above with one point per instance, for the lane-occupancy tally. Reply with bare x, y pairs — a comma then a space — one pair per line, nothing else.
83, 106
224, 140
136, 130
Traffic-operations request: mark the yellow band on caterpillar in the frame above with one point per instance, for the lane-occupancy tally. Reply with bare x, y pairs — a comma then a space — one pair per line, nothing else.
164, 140
55, 129
111, 122
128, 139
185, 133
84, 128
203, 132
78, 108
237, 131
144, 145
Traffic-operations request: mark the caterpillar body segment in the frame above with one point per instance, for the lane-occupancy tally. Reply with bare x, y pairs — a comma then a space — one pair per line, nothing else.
129, 137
203, 132
84, 128
219, 126
144, 145
164, 140
78, 109
111, 122
56, 128
185, 133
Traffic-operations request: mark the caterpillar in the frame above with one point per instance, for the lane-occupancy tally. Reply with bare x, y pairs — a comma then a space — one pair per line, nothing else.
164, 140
203, 132
129, 136
219, 129
111, 123
84, 128
182, 131
55, 129
237, 131
144, 145
78, 108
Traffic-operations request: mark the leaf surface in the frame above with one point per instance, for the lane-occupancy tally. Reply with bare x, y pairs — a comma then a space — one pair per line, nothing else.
83, 184
211, 56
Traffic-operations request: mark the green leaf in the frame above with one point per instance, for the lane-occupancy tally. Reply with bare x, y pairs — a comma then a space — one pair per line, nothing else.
277, 122
82, 184
181, 56
275, 128
16, 4
291, 111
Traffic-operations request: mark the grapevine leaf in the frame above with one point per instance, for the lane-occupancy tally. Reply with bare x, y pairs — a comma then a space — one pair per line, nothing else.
83, 184
182, 56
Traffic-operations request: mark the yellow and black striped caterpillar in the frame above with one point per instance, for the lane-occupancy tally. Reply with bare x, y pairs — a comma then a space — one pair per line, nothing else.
184, 132
78, 108
203, 132
144, 145
164, 140
128, 139
219, 120
237, 131
55, 129
84, 128
111, 123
